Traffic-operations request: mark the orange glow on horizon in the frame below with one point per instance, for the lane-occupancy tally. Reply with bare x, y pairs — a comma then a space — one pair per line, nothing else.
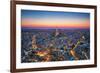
55, 23
57, 26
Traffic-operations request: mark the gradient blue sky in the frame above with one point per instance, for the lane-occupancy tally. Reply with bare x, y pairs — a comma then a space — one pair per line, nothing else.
50, 19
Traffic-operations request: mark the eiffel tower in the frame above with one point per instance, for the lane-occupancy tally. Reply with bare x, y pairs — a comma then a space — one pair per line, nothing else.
34, 46
56, 33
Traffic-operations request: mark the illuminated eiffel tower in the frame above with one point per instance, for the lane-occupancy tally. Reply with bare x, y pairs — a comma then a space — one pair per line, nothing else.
56, 32
34, 46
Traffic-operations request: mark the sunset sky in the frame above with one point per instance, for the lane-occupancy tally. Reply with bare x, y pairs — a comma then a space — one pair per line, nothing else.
53, 19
